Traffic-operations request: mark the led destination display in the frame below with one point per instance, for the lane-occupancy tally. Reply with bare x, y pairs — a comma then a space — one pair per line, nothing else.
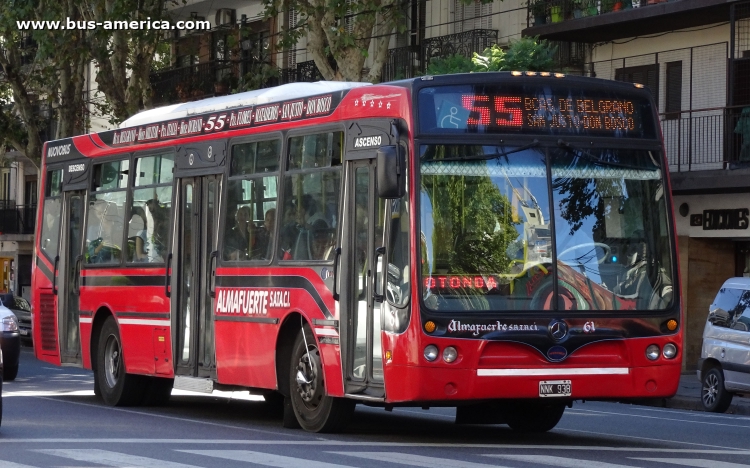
543, 110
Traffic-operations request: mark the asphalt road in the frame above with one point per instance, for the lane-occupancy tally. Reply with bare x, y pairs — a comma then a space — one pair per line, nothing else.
52, 419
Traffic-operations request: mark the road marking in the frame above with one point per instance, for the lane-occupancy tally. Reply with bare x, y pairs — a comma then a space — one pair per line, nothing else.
652, 439
196, 421
337, 443
559, 461
105, 457
261, 458
663, 418
10, 464
696, 463
415, 460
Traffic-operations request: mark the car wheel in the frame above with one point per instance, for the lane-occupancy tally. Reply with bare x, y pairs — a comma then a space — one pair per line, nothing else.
118, 388
714, 396
534, 416
315, 411
10, 371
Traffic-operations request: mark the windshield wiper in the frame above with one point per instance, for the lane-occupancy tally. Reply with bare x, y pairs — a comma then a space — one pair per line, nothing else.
598, 161
486, 157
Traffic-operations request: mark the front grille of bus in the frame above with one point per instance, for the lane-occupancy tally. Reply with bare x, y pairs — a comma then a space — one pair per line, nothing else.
47, 322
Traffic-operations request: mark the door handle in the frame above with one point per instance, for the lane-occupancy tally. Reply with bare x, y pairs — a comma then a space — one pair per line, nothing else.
167, 292
77, 276
336, 273
54, 275
212, 273
378, 295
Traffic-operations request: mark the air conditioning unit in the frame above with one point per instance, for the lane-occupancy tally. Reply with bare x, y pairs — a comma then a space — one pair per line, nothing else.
225, 16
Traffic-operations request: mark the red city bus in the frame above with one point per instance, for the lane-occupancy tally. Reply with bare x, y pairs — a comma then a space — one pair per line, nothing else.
499, 242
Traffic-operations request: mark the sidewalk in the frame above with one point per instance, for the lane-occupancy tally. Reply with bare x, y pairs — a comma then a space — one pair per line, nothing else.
689, 397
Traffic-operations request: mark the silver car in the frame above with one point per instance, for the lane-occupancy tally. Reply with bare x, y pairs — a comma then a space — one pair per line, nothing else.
724, 367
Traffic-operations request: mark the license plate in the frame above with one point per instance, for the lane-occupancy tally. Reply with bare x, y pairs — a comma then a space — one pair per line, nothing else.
23, 331
555, 388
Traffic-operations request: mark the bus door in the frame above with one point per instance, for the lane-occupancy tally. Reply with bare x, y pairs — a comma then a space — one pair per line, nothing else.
193, 278
71, 258
361, 259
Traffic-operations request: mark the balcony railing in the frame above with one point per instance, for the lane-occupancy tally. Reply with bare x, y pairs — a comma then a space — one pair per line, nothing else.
555, 11
707, 139
463, 43
18, 219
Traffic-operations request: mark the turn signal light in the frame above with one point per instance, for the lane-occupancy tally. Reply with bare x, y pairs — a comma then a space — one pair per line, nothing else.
672, 325
430, 327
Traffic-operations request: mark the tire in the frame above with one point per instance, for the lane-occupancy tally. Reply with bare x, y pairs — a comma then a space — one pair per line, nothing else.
117, 387
10, 372
714, 396
314, 410
533, 416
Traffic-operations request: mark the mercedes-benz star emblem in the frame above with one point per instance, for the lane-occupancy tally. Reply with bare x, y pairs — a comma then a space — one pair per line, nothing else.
557, 330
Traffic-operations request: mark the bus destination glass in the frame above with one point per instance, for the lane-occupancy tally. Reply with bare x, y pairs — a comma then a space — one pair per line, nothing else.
535, 110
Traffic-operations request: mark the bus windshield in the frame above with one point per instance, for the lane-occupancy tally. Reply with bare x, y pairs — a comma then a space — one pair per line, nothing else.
499, 227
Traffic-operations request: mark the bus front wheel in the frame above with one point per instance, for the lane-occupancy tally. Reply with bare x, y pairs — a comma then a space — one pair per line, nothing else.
117, 387
534, 416
315, 411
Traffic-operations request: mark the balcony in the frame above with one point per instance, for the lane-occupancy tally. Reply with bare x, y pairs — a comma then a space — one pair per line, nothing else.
17, 219
590, 21
700, 143
219, 77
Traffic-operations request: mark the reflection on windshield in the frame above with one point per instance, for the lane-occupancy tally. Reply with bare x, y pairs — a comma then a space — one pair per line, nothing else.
487, 240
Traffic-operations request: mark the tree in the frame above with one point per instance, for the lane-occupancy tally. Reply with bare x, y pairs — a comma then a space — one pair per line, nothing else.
124, 56
340, 33
41, 69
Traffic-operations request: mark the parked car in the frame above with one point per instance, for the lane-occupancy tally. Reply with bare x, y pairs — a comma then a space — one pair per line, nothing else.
1, 387
724, 367
22, 309
10, 343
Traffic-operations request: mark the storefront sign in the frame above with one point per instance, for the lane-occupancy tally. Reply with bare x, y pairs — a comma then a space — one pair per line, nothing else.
714, 220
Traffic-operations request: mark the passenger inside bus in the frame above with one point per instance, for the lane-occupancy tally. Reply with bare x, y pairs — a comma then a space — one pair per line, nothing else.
102, 239
264, 236
138, 233
238, 239
160, 216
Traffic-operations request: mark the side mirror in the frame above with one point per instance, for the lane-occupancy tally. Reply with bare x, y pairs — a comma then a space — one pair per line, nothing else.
391, 172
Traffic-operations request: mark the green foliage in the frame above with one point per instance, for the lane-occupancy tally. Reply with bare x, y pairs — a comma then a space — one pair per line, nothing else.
455, 63
526, 54
530, 54
258, 77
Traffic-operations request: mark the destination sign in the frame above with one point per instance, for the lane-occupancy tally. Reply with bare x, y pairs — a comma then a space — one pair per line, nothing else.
215, 122
542, 110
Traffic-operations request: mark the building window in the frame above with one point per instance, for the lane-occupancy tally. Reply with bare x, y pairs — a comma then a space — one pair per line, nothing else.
647, 75
673, 91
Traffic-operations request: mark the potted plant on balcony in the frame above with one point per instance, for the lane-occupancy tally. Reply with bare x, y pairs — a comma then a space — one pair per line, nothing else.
555, 13
539, 11
578, 8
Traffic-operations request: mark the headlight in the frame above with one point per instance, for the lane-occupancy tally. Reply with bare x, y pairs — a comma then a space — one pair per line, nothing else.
9, 324
431, 352
670, 351
652, 352
450, 354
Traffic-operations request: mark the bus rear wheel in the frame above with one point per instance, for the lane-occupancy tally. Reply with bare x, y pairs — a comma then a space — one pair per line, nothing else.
315, 411
534, 416
117, 387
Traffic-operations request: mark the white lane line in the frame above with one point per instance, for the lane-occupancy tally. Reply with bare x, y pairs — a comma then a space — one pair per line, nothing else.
336, 443
695, 414
661, 418
105, 457
652, 439
10, 464
196, 421
267, 459
415, 460
559, 461
697, 463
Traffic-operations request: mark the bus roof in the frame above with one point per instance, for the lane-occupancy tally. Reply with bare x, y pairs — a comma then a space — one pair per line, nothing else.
249, 98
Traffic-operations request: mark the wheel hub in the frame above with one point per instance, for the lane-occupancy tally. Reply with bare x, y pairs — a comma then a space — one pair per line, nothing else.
308, 377
112, 361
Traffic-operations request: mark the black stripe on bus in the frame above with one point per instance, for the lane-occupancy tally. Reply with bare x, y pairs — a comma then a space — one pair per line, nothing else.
142, 315
122, 280
225, 318
273, 281
86, 313
43, 268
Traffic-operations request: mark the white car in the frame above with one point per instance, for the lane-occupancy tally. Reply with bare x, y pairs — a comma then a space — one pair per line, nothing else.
724, 367
10, 342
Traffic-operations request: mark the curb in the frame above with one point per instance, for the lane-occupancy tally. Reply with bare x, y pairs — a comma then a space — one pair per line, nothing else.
693, 404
